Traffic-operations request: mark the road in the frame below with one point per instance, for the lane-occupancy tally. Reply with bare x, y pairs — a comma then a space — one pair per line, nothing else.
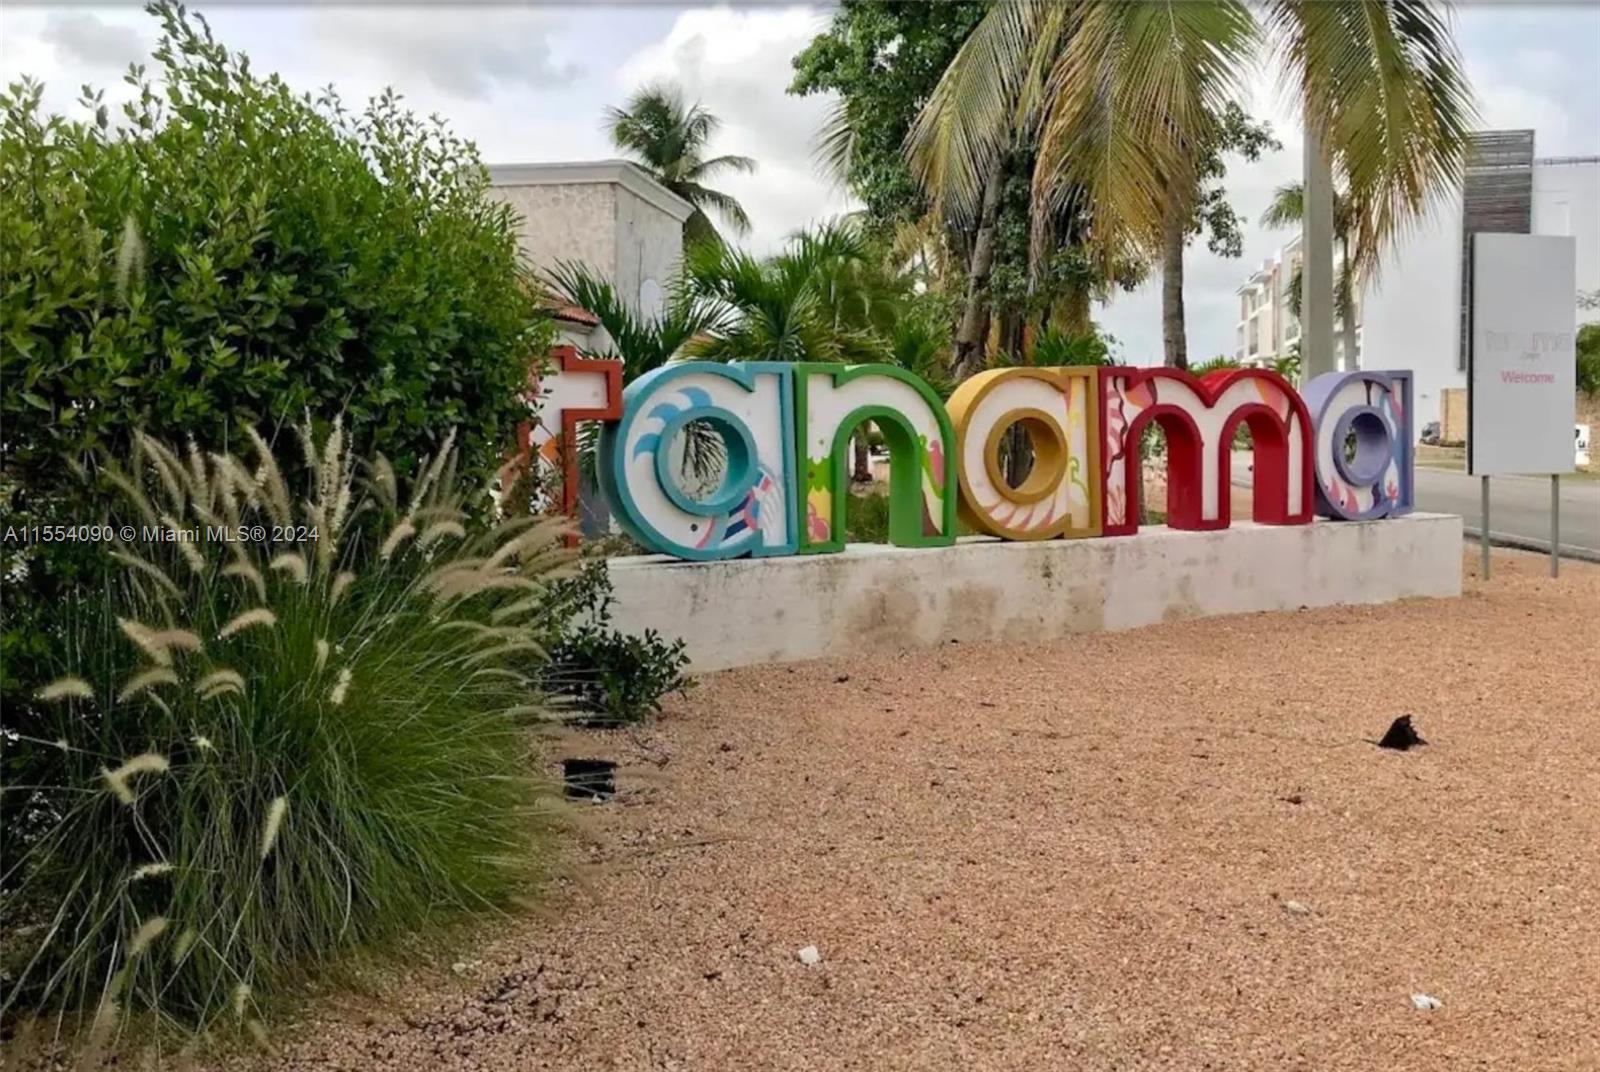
1519, 506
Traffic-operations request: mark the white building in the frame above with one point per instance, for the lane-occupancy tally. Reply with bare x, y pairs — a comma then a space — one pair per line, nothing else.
606, 214
1411, 314
1414, 310
1268, 328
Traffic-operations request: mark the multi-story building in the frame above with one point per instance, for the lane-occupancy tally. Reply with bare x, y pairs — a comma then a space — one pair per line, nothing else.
1412, 312
1268, 328
1417, 304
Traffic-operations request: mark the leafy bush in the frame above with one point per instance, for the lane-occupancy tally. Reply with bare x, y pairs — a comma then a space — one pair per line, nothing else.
608, 676
233, 254
257, 753
867, 518
1589, 359
1055, 348
1216, 364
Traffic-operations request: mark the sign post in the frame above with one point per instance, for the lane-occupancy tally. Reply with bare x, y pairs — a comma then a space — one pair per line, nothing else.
1522, 365
1483, 530
1555, 525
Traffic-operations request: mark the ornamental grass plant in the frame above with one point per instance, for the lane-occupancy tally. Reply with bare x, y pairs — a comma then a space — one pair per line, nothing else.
261, 752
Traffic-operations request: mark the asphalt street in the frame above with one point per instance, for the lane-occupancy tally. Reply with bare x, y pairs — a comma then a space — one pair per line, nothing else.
1519, 507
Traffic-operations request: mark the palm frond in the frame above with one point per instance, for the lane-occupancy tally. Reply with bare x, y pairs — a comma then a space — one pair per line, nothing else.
972, 115
643, 343
1288, 206
1127, 102
669, 137
703, 197
835, 145
1384, 88
705, 169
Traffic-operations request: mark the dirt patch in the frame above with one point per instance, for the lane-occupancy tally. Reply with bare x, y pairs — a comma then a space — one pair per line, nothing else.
1166, 848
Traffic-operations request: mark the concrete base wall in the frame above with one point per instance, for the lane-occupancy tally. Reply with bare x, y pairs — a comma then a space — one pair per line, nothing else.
747, 611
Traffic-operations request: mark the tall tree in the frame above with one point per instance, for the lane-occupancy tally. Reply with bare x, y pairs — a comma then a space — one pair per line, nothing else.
1205, 210
669, 136
1117, 98
1105, 97
1287, 209
1387, 111
881, 58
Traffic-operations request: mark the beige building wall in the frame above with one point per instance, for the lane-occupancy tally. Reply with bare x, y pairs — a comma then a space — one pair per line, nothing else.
1452, 415
648, 248
567, 222
608, 215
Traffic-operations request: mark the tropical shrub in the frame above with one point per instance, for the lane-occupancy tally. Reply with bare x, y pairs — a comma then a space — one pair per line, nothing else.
609, 677
642, 343
225, 256
1589, 359
828, 295
1055, 348
288, 725
1219, 363
231, 253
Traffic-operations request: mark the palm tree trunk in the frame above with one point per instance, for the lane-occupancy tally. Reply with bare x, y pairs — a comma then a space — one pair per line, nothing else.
1173, 336
1316, 296
863, 466
1011, 322
1070, 312
974, 328
1347, 307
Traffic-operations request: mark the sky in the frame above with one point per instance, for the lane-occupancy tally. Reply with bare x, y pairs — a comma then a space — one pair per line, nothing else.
530, 83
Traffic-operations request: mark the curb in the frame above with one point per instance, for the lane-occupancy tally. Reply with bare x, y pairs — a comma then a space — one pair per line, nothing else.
1528, 543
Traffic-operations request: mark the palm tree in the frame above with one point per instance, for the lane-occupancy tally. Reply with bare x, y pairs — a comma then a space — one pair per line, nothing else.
1116, 98
669, 138
642, 343
1104, 95
1287, 209
1387, 110
832, 294
820, 299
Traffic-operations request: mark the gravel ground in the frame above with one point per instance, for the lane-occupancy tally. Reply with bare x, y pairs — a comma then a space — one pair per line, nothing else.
1166, 848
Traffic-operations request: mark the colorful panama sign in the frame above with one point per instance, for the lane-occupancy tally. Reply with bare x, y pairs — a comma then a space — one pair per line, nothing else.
1343, 449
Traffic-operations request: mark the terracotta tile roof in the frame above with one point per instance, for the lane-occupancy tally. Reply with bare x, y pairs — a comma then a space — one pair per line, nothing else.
575, 315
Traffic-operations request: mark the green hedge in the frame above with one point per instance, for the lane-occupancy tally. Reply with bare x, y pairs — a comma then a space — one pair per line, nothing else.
226, 256
229, 251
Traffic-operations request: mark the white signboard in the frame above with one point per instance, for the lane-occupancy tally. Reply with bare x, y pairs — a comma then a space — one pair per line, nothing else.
1522, 372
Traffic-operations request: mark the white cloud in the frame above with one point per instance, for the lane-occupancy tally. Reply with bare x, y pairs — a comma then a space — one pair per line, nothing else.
84, 38
465, 52
739, 65
1509, 107
531, 85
